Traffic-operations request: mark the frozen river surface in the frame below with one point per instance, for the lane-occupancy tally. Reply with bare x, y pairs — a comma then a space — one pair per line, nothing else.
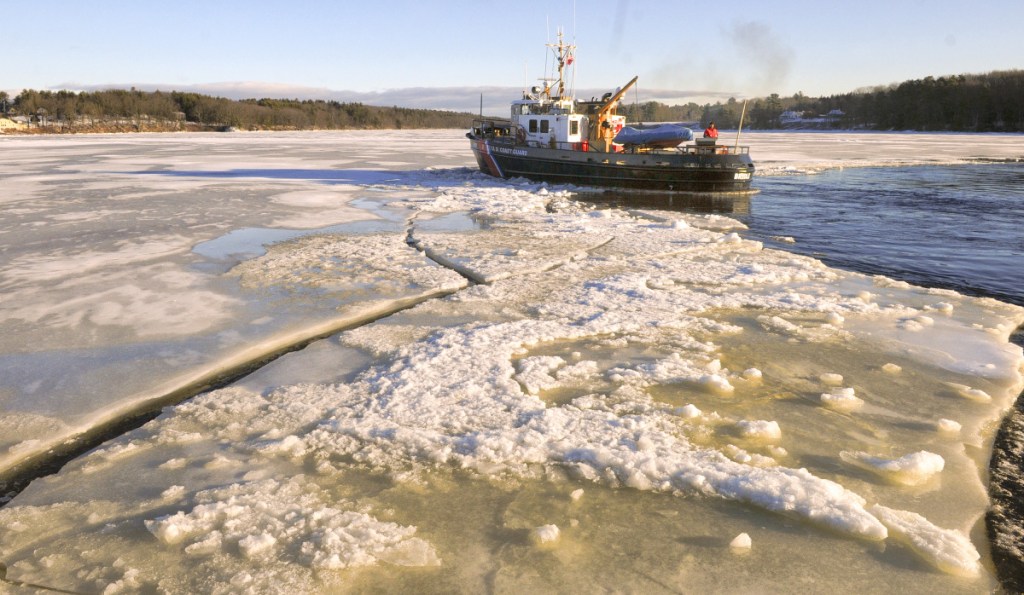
516, 391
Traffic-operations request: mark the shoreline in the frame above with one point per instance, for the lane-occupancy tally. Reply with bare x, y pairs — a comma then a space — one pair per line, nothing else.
1004, 520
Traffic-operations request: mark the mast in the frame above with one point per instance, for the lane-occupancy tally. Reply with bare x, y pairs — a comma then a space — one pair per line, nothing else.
736, 148
564, 52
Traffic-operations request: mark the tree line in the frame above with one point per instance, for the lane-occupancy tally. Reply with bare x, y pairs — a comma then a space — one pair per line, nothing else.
117, 109
992, 102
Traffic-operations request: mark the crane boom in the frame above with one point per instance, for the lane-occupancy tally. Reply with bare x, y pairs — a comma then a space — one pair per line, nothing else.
615, 98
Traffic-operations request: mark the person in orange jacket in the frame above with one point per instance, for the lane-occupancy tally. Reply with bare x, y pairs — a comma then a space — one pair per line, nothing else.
711, 131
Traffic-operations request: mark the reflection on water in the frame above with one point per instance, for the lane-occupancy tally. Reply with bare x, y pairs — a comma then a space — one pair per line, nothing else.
733, 203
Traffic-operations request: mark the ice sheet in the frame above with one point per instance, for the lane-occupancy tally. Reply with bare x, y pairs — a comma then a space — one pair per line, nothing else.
617, 375
107, 307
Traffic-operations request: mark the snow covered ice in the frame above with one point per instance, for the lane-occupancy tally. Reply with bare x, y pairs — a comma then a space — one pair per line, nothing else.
525, 392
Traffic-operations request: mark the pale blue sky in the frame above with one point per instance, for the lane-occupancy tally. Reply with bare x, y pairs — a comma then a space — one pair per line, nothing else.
443, 54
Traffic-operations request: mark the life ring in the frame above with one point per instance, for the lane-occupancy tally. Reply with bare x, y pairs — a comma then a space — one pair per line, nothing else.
520, 135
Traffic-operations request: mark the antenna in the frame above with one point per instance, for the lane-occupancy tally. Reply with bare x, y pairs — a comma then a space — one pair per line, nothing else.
547, 40
572, 84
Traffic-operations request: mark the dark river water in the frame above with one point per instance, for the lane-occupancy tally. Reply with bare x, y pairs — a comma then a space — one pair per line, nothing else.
959, 227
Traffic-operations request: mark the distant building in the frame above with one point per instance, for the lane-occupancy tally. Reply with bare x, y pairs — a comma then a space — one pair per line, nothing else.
11, 124
790, 117
835, 116
805, 120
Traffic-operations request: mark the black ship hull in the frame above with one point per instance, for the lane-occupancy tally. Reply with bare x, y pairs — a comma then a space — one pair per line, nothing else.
702, 169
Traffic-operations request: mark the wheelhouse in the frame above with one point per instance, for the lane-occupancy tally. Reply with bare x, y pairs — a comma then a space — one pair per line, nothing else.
548, 123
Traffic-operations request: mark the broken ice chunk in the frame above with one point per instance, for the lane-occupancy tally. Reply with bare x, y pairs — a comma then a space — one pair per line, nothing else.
255, 546
911, 470
741, 542
948, 550
917, 323
760, 429
944, 307
948, 426
972, 394
716, 384
842, 399
831, 379
545, 534
689, 411
174, 492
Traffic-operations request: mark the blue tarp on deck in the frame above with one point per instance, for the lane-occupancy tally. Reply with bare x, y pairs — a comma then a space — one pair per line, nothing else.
666, 135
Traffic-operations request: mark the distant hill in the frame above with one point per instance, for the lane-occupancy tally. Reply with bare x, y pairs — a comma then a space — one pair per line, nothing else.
992, 102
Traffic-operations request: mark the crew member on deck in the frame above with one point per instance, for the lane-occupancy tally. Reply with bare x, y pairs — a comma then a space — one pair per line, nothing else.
711, 131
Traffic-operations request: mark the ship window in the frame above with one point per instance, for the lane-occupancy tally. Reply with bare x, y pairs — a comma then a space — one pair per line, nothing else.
533, 125
543, 125
574, 126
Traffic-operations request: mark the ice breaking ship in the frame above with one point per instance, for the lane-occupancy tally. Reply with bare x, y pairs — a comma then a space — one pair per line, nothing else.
551, 136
